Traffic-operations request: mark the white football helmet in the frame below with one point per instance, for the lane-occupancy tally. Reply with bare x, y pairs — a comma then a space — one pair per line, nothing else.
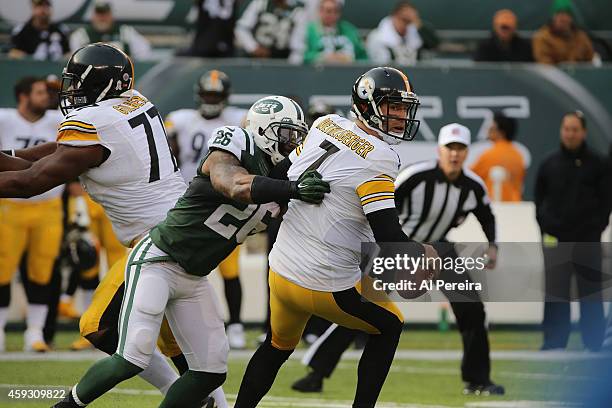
277, 124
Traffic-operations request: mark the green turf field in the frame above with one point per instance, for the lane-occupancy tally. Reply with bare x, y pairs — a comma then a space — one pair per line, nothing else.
411, 383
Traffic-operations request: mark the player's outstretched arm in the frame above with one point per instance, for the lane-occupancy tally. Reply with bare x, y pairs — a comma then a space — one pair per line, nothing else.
64, 165
37, 152
233, 181
13, 160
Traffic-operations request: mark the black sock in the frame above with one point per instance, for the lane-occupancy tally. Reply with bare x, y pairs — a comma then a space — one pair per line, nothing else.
233, 296
260, 374
180, 362
375, 363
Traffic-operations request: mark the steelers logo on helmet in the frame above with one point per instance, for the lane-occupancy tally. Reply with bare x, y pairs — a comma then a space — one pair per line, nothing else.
277, 124
365, 87
385, 102
212, 93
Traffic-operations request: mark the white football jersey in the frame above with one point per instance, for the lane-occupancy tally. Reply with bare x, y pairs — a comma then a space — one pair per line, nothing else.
192, 133
139, 181
18, 133
319, 246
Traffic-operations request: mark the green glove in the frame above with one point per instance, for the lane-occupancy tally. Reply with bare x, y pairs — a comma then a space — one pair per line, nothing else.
310, 187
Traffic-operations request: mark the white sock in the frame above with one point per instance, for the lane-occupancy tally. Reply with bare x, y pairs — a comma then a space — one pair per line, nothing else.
3, 316
36, 316
87, 297
159, 373
219, 397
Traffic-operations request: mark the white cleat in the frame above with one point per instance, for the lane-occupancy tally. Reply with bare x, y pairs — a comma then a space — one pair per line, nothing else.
235, 336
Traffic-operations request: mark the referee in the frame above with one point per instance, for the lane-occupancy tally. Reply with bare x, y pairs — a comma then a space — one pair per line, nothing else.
433, 197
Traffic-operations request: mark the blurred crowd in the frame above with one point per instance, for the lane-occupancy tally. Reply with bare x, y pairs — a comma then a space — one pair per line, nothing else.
311, 32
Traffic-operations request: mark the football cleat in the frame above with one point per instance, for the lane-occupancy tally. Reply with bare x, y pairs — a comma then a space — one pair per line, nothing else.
235, 336
312, 382
484, 390
81, 344
68, 310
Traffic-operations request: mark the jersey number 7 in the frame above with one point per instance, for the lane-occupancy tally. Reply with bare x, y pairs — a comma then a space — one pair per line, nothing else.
145, 120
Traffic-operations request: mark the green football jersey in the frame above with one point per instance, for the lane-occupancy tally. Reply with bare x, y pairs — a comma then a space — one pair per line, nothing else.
204, 226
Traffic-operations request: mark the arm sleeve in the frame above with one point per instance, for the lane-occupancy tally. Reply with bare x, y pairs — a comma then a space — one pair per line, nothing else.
377, 193
484, 214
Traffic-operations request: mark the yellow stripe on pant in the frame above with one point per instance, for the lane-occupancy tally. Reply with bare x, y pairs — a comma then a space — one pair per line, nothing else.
291, 306
35, 227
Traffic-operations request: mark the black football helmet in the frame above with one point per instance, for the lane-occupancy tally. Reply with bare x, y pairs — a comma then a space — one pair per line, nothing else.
380, 89
94, 73
212, 93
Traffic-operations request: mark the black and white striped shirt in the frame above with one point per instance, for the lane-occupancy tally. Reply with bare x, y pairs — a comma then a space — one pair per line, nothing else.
430, 205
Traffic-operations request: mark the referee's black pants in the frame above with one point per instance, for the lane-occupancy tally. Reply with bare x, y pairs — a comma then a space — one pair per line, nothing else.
325, 353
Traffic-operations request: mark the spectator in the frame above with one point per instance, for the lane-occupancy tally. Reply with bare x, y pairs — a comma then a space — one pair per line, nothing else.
214, 37
104, 29
272, 29
331, 39
560, 40
39, 37
400, 36
505, 155
504, 44
572, 197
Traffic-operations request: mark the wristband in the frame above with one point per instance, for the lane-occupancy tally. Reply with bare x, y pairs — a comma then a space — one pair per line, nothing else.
266, 189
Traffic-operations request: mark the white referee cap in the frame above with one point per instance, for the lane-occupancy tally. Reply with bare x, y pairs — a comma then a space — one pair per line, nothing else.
454, 133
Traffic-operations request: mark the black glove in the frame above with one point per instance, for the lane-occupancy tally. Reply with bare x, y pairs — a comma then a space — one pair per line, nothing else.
310, 187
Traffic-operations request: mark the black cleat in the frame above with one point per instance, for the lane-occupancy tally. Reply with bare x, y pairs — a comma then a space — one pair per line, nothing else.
313, 382
67, 402
483, 389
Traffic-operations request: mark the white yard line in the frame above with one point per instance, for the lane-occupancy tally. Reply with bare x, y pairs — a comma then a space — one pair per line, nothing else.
417, 355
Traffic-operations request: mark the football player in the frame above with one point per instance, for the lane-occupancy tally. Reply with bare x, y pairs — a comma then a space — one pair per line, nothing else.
189, 131
33, 225
357, 161
229, 199
113, 139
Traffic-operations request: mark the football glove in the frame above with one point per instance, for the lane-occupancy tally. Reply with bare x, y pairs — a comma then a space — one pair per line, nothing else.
310, 187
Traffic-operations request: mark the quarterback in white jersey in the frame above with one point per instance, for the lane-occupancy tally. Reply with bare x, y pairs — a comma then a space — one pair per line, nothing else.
114, 140
314, 264
189, 130
31, 225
